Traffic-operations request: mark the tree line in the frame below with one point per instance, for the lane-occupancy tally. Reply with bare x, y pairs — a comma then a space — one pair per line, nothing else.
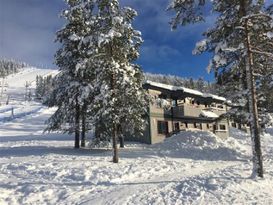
8, 67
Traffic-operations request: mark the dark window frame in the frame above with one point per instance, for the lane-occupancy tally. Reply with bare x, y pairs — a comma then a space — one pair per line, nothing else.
222, 127
162, 127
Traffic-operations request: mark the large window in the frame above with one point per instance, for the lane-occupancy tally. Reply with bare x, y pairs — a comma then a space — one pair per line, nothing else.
162, 127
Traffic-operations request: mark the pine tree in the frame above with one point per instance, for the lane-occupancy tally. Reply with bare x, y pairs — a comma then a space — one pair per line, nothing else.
70, 87
240, 41
119, 102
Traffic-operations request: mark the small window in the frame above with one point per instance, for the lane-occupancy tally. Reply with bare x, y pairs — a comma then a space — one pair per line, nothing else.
192, 102
195, 125
174, 103
201, 126
186, 124
233, 124
207, 126
162, 127
222, 127
198, 103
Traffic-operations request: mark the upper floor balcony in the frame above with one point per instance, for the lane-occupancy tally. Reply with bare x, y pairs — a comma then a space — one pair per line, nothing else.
187, 111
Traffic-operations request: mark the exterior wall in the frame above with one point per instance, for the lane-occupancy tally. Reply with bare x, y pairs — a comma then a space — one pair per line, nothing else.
155, 136
223, 134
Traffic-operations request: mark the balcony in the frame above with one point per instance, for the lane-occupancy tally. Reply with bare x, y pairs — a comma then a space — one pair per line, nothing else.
187, 111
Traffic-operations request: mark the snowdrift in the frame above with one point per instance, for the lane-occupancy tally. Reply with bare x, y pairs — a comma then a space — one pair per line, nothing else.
201, 145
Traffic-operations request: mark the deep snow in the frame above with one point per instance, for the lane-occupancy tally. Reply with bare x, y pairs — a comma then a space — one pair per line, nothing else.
189, 168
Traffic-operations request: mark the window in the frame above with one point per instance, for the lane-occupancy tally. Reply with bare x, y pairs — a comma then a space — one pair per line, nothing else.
207, 126
233, 124
192, 102
222, 127
220, 106
186, 124
201, 126
162, 127
195, 125
198, 103
174, 103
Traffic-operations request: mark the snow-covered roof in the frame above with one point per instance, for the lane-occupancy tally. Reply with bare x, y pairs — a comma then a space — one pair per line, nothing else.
185, 90
164, 86
214, 96
209, 114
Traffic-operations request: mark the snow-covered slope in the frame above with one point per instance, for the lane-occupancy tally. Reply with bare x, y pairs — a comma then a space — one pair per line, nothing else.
15, 91
28, 75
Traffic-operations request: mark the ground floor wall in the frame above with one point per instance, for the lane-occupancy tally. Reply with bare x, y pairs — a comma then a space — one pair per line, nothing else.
162, 127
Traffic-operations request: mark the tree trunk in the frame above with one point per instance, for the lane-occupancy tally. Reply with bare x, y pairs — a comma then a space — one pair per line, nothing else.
115, 146
114, 129
77, 125
254, 123
83, 125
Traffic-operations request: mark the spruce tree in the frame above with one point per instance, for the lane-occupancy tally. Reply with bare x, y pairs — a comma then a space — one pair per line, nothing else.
119, 102
70, 87
241, 43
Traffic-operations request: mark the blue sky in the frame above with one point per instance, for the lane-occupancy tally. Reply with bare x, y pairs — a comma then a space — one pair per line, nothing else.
27, 33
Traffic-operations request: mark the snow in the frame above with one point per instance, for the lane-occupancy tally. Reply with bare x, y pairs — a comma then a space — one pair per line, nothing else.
209, 114
192, 167
186, 90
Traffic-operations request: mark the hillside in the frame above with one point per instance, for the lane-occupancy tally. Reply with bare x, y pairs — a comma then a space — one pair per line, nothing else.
14, 101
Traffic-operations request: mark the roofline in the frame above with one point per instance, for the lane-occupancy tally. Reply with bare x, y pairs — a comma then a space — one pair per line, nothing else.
188, 91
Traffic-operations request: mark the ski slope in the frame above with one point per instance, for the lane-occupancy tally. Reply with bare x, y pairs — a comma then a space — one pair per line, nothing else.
192, 167
16, 83
15, 91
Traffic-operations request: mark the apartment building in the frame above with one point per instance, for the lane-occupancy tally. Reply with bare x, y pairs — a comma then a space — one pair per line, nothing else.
173, 109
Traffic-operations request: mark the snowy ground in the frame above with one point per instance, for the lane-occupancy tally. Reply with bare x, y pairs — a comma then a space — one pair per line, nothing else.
189, 168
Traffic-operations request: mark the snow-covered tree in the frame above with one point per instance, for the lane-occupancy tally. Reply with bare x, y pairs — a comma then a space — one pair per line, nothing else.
241, 43
8, 67
44, 87
99, 82
70, 87
120, 102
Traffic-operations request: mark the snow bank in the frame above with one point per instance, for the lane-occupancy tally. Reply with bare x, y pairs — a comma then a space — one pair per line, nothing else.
199, 145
